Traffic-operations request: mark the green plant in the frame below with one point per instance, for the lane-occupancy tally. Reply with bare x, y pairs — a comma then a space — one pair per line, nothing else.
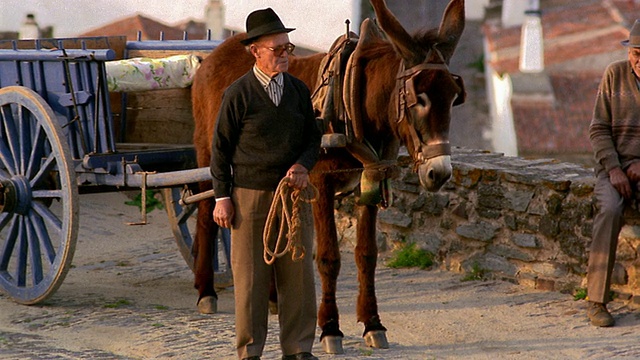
580, 294
411, 256
476, 273
119, 303
151, 201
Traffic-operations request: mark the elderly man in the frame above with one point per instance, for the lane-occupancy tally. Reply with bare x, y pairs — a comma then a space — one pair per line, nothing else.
266, 131
615, 138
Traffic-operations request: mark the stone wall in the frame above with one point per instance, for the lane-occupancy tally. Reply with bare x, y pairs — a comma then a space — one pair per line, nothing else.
524, 220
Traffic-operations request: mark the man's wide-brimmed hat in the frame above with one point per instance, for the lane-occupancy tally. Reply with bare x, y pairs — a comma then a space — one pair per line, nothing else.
263, 22
634, 36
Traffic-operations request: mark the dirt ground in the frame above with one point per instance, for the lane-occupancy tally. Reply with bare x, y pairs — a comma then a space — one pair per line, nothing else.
129, 295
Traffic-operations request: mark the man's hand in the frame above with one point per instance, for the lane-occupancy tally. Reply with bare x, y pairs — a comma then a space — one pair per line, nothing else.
633, 172
224, 212
620, 182
298, 176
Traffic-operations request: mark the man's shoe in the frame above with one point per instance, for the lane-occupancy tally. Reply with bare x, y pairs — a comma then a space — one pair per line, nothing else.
252, 358
300, 356
599, 315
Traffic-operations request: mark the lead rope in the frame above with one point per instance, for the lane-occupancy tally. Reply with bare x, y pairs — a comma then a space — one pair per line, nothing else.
290, 219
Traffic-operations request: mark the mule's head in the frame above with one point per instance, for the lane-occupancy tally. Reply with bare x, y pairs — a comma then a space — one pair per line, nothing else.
426, 90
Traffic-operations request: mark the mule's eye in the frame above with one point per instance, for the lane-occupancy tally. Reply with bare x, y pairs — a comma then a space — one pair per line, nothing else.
423, 100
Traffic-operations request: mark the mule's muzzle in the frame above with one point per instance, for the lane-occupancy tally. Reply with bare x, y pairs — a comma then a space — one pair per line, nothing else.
435, 172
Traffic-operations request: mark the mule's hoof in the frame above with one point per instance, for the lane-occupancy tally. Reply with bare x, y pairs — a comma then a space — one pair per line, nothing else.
332, 345
273, 307
376, 339
208, 305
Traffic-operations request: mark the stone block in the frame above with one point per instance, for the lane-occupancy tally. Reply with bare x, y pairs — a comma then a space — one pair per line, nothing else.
630, 232
492, 263
490, 196
526, 240
489, 213
527, 279
549, 226
518, 200
626, 250
435, 203
582, 188
622, 296
510, 253
481, 231
510, 222
545, 284
619, 275
394, 217
426, 241
460, 210
550, 269
406, 187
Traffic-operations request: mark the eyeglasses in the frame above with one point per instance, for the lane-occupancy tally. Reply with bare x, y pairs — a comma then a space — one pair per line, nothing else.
278, 50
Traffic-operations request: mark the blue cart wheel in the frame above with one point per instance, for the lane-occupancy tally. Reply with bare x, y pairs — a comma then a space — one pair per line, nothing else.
38, 198
183, 223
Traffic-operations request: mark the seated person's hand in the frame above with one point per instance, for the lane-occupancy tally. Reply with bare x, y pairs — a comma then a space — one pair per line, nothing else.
633, 172
620, 182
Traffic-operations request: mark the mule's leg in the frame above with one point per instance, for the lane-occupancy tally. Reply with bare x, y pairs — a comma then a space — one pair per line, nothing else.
202, 250
328, 262
366, 254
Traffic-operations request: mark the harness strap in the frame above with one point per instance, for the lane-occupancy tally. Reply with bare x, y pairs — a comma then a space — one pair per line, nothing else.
435, 150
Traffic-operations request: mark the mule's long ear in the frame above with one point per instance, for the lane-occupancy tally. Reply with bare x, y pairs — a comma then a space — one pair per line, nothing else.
400, 38
451, 28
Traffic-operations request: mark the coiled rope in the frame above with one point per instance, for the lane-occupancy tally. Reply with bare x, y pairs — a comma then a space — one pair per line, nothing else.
290, 220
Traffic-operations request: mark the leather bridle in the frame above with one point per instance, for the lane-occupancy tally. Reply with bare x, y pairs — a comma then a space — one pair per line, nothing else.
407, 98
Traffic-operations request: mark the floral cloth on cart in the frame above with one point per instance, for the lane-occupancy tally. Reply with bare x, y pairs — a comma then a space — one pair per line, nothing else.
138, 74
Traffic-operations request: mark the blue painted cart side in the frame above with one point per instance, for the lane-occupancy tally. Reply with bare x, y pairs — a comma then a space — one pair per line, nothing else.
72, 82
56, 128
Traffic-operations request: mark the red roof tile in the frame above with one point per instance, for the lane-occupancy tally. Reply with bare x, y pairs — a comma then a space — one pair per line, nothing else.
566, 30
562, 126
150, 29
581, 29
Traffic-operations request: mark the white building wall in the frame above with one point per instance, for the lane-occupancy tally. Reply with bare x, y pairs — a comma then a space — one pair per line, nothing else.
474, 9
499, 93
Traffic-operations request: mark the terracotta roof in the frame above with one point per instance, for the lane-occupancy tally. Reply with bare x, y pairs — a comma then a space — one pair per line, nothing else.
562, 126
150, 29
569, 32
585, 32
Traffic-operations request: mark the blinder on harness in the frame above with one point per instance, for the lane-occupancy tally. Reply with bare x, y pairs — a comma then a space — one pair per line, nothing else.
408, 98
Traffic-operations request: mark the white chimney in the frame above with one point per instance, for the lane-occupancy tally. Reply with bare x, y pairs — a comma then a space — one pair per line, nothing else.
29, 28
513, 11
531, 43
215, 19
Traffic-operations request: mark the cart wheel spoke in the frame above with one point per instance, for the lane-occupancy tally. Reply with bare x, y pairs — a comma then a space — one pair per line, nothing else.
6, 155
34, 252
43, 236
45, 169
183, 222
38, 219
9, 241
21, 269
37, 152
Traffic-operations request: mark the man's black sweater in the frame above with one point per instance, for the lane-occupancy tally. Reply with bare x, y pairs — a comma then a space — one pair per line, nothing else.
256, 142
